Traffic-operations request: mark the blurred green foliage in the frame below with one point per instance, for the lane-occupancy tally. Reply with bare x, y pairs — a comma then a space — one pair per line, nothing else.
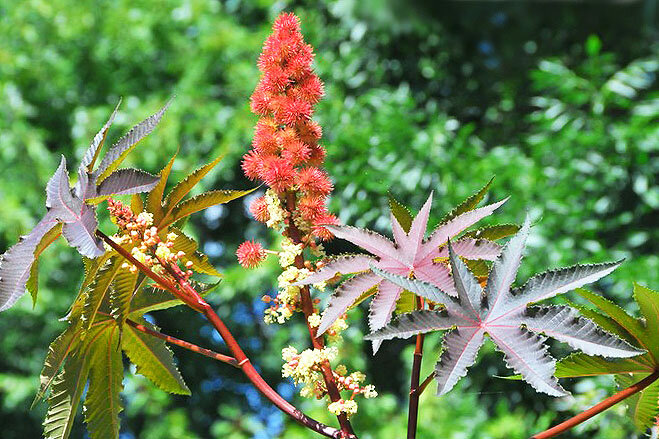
558, 100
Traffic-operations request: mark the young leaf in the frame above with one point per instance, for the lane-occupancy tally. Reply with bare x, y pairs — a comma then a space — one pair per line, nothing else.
184, 186
123, 146
127, 182
154, 199
153, 359
410, 253
401, 214
102, 403
504, 317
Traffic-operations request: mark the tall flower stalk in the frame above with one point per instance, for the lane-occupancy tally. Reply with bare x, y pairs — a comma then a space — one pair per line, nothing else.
287, 157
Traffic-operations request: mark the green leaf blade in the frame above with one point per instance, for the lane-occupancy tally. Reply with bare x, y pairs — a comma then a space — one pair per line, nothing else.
154, 360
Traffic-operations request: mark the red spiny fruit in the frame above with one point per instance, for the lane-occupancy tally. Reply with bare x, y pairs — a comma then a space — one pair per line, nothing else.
321, 232
314, 181
250, 254
286, 154
259, 210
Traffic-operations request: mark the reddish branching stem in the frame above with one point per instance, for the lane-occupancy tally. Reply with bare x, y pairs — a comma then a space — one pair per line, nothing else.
413, 409
184, 291
598, 408
419, 390
307, 308
185, 344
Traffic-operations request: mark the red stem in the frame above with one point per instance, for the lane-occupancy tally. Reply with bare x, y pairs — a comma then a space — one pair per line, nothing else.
425, 384
188, 295
185, 344
599, 408
308, 309
413, 410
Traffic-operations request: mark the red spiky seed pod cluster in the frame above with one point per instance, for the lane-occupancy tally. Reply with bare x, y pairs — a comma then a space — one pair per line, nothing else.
285, 153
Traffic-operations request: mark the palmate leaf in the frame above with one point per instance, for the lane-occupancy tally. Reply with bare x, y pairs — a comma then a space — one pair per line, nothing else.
409, 254
201, 202
99, 289
149, 299
469, 204
153, 359
154, 198
517, 331
102, 402
123, 289
643, 407
58, 351
70, 207
183, 187
64, 399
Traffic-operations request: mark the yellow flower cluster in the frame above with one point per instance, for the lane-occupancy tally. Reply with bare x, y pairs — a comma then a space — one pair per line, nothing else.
349, 407
288, 296
304, 368
289, 251
276, 215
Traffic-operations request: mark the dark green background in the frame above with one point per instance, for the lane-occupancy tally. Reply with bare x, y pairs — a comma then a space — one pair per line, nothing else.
557, 99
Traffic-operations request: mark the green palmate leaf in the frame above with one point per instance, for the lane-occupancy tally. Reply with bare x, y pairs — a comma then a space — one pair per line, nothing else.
401, 213
58, 351
102, 404
121, 293
154, 198
98, 290
631, 325
187, 245
580, 364
478, 267
492, 233
33, 281
406, 303
136, 204
643, 407
64, 399
468, 204
153, 359
201, 202
184, 186
648, 302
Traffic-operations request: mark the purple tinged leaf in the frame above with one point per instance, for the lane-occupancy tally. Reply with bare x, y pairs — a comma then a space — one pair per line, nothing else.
420, 288
413, 323
411, 245
469, 290
127, 182
554, 282
472, 316
438, 275
456, 225
343, 264
399, 234
460, 350
504, 271
382, 307
58, 194
565, 324
81, 234
344, 296
17, 261
370, 241
470, 248
123, 145
527, 355
97, 142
